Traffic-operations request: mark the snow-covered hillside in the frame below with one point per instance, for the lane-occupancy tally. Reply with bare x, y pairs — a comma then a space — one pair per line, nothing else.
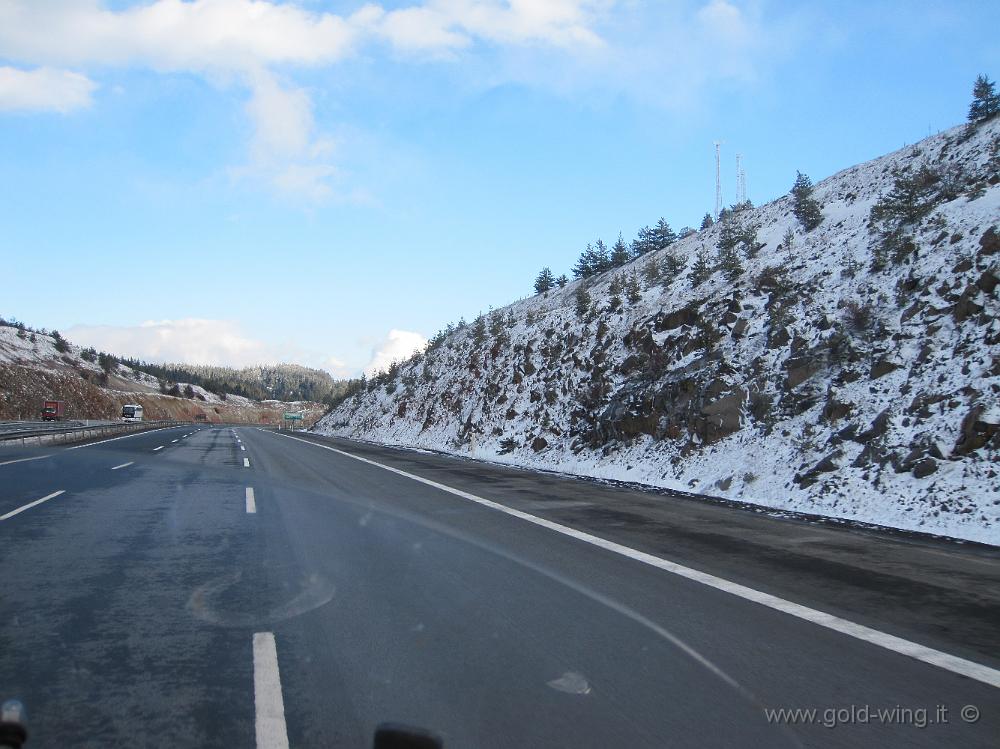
853, 372
33, 368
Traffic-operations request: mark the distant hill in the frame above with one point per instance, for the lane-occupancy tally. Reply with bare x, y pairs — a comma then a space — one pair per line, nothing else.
288, 382
838, 357
36, 365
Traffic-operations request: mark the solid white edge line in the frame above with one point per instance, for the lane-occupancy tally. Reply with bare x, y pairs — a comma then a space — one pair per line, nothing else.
124, 436
157, 448
23, 460
28, 506
123, 465
269, 707
246, 462
251, 501
952, 663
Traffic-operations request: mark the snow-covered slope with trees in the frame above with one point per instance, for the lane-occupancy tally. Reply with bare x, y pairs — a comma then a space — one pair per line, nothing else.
37, 365
851, 370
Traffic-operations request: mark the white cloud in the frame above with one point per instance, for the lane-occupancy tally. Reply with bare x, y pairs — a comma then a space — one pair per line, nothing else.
421, 30
227, 41
442, 26
669, 55
232, 35
563, 23
285, 147
199, 341
282, 117
189, 340
243, 40
335, 366
170, 35
396, 346
666, 53
43, 90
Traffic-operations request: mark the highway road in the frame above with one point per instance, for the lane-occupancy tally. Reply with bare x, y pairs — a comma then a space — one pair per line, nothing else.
236, 587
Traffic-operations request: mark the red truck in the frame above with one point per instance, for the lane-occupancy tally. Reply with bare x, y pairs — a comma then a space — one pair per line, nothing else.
53, 410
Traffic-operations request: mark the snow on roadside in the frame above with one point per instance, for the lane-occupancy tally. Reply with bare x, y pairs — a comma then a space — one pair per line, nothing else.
888, 436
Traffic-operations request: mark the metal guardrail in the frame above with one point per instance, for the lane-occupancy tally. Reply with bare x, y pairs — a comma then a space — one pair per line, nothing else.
51, 436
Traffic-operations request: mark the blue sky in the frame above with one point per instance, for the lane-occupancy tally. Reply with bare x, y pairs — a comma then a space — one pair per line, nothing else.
228, 181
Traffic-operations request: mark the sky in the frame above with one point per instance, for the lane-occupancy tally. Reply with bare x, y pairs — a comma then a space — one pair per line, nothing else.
244, 181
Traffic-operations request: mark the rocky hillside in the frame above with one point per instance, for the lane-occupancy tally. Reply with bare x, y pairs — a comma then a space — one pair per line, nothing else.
851, 370
35, 367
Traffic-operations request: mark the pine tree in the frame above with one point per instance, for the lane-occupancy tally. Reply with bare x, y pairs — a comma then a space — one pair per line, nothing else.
651, 272
633, 291
544, 281
562, 281
707, 221
643, 243
788, 239
602, 258
807, 210
662, 235
729, 263
738, 233
702, 269
619, 253
615, 289
498, 330
582, 301
673, 266
584, 267
107, 362
60, 343
985, 101
479, 331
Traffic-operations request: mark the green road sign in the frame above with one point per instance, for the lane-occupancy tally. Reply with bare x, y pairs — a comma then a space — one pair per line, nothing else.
293, 417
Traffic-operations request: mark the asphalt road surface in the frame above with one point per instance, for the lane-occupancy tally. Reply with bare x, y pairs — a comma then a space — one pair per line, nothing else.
208, 586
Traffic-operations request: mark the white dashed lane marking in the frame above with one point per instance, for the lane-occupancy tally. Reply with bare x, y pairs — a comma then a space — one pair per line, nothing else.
268, 703
123, 437
28, 506
23, 460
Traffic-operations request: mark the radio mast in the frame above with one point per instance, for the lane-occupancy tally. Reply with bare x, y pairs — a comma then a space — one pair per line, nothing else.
741, 180
718, 179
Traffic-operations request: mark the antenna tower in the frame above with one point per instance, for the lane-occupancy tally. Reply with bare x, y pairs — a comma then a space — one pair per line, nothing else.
718, 179
741, 180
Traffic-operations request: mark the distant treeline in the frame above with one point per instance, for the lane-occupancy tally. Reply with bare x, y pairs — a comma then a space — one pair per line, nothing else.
284, 382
